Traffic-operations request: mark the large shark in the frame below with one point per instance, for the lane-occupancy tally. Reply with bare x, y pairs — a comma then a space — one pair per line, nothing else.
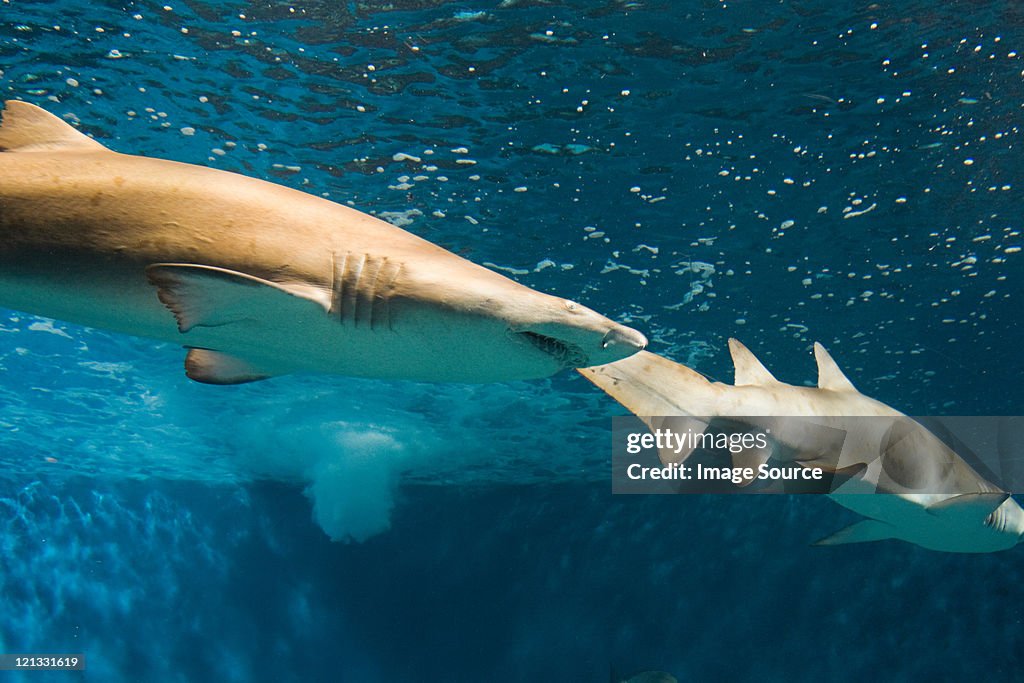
909, 484
257, 279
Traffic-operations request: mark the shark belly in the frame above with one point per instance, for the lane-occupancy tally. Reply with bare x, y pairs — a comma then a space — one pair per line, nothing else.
414, 342
910, 518
106, 300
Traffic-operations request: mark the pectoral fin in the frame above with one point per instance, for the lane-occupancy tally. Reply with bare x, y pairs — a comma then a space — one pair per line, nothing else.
864, 531
750, 459
688, 427
205, 296
850, 480
969, 506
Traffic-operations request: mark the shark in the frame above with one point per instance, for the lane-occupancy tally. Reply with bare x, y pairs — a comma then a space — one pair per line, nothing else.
907, 483
646, 677
258, 280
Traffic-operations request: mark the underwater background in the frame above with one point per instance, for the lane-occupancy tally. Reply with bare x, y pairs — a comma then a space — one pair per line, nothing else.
781, 172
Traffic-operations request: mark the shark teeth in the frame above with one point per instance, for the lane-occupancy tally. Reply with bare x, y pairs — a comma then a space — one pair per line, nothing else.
567, 354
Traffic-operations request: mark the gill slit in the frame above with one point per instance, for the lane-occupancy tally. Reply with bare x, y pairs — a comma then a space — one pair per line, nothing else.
361, 289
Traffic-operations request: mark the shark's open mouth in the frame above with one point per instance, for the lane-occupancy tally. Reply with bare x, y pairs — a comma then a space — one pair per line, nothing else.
568, 355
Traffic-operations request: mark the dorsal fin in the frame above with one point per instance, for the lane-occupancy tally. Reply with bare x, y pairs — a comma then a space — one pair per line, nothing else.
829, 375
749, 369
27, 128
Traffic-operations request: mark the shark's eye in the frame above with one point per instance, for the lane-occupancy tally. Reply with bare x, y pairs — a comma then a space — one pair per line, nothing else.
571, 305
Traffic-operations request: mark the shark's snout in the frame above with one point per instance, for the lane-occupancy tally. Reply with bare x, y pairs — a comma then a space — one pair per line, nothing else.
624, 337
576, 347
578, 337
615, 343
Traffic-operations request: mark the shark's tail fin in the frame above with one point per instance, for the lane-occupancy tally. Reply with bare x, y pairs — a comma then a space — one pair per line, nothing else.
658, 391
647, 384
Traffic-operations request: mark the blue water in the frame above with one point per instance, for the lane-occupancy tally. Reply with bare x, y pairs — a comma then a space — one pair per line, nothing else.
778, 172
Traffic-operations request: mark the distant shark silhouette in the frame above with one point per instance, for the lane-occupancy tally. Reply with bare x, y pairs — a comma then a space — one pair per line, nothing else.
909, 484
644, 677
257, 279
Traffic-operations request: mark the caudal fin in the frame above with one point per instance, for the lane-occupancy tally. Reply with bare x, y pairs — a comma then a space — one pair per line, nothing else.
660, 392
647, 384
